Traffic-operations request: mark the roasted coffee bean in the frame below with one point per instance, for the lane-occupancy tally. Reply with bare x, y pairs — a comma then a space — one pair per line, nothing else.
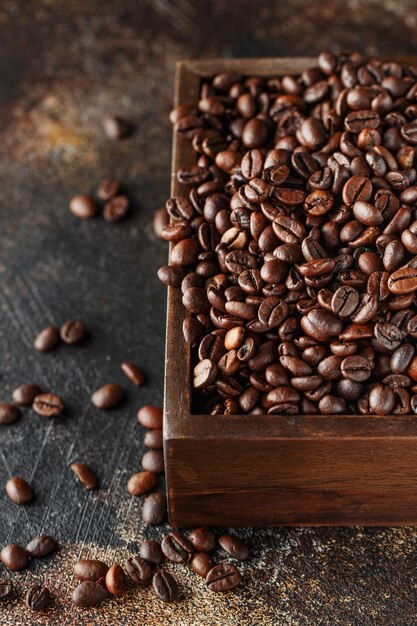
344, 301
381, 399
108, 188
41, 546
6, 589
201, 563
272, 312
332, 405
204, 374
24, 395
85, 475
14, 557
176, 548
83, 207
358, 187
153, 439
321, 325
154, 510
134, 373
160, 221
116, 208
9, 413
115, 127
90, 569
165, 586
153, 461
38, 597
235, 547
150, 416
202, 540
401, 358
72, 331
108, 396
47, 339
116, 580
403, 281
89, 593
18, 490
138, 570
141, 483
387, 337
356, 368
223, 577
150, 550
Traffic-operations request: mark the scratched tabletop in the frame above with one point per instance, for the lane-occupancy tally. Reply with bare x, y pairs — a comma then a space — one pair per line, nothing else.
63, 66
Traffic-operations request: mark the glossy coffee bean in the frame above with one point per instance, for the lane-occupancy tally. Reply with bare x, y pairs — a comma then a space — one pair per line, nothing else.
89, 593
235, 547
108, 396
72, 331
48, 405
176, 548
138, 570
153, 461
141, 483
14, 557
165, 586
154, 509
150, 416
223, 577
202, 540
38, 597
24, 395
115, 580
47, 339
150, 550
201, 563
134, 373
83, 207
85, 475
90, 569
41, 546
8, 413
18, 490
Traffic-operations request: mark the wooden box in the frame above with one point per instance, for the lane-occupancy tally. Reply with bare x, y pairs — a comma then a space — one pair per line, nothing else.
275, 470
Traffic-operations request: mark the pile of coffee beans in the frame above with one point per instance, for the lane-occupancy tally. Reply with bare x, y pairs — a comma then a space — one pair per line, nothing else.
294, 240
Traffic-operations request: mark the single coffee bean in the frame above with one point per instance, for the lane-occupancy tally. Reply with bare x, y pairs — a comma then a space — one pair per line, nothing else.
202, 540
116, 208
141, 483
201, 563
116, 580
41, 546
47, 339
165, 586
381, 399
6, 589
108, 396
356, 368
150, 416
176, 548
85, 475
134, 373
150, 550
89, 593
223, 577
108, 187
401, 358
153, 461
344, 301
48, 405
153, 439
24, 395
204, 374
154, 509
115, 127
160, 221
72, 331
8, 413
234, 546
38, 597
14, 557
90, 569
18, 490
138, 570
83, 207
403, 281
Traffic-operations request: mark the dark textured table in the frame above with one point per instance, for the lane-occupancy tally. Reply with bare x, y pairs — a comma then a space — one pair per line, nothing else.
63, 66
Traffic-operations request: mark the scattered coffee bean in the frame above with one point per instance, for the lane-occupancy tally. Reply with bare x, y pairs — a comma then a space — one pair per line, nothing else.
237, 548
150, 416
202, 540
72, 331
38, 597
141, 483
108, 188
41, 546
14, 557
6, 589
201, 563
154, 509
176, 547
85, 475
223, 577
108, 396
83, 207
18, 490
138, 570
47, 339
116, 127
153, 439
90, 569
153, 461
25, 395
8, 413
150, 550
134, 373
48, 405
165, 586
89, 593
116, 580
116, 208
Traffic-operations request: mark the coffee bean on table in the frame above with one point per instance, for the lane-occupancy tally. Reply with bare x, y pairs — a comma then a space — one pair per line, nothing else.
141, 483
18, 490
234, 546
41, 546
165, 586
116, 580
38, 597
223, 577
134, 373
108, 396
89, 593
202, 539
72, 331
115, 127
153, 461
90, 569
176, 547
25, 395
116, 208
201, 563
154, 509
85, 475
153, 439
14, 557
108, 187
47, 339
6, 589
150, 550
48, 405
83, 207
150, 416
8, 413
138, 570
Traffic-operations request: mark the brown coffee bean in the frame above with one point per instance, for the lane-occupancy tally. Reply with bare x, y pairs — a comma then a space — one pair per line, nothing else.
223, 577
83, 207
403, 281
134, 373
381, 399
237, 548
165, 586
8, 413
201, 563
153, 461
150, 416
108, 396
38, 597
138, 570
72, 331
358, 187
321, 325
356, 368
6, 589
344, 301
154, 510
18, 490
150, 550
41, 546
14, 557
24, 395
90, 570
153, 439
160, 221
176, 548
108, 187
202, 540
48, 405
115, 127
89, 593
141, 483
116, 208
47, 339
116, 580
85, 475
204, 374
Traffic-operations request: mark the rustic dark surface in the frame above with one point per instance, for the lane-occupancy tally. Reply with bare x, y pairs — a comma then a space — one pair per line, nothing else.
63, 65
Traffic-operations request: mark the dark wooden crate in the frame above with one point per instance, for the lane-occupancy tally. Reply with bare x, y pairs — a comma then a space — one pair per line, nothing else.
275, 470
